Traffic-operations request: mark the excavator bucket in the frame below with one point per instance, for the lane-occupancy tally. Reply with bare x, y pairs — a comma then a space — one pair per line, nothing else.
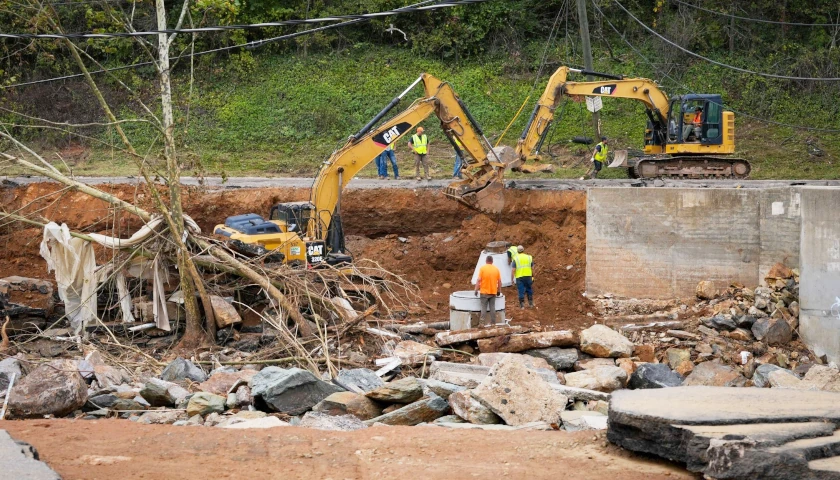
619, 160
535, 168
488, 199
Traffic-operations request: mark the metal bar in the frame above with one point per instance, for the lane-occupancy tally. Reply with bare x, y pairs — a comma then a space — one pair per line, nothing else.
385, 111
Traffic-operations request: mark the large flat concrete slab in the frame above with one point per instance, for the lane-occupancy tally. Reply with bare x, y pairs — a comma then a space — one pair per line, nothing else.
19, 462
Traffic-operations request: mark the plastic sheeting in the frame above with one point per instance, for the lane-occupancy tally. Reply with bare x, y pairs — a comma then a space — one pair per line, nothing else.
74, 263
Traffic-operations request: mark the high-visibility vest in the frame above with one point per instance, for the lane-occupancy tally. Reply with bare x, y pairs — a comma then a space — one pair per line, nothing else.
419, 143
698, 118
513, 252
602, 155
523, 265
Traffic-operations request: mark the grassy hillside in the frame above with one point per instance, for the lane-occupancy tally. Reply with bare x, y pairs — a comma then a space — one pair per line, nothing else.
283, 115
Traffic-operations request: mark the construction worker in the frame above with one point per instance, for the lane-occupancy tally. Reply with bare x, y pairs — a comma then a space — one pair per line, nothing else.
488, 286
522, 273
420, 143
511, 252
599, 157
459, 162
694, 126
382, 163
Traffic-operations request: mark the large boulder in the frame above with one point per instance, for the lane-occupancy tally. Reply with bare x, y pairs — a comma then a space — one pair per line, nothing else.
602, 379
713, 374
160, 393
56, 388
339, 423
180, 369
559, 358
349, 403
404, 390
360, 380
772, 331
654, 375
292, 390
519, 395
471, 410
602, 341
203, 403
422, 411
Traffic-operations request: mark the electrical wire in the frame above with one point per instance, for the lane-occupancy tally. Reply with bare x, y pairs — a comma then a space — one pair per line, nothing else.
223, 28
720, 64
758, 20
688, 89
248, 45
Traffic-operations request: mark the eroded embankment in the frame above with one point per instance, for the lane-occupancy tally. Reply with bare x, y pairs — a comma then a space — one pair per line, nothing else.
440, 243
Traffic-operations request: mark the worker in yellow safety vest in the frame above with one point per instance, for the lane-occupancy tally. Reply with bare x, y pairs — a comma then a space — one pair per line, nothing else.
599, 157
420, 143
522, 271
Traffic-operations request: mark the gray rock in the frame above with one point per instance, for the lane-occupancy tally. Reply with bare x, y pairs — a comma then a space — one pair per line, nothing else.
441, 389
338, 423
713, 374
602, 341
772, 331
292, 390
129, 404
19, 460
720, 322
471, 410
746, 321
181, 369
449, 419
203, 403
56, 388
422, 411
577, 420
160, 393
761, 378
559, 358
404, 390
105, 400
654, 375
601, 379
161, 418
349, 403
359, 380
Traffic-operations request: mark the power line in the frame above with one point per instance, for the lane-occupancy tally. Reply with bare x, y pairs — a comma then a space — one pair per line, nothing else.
248, 45
223, 28
731, 67
759, 20
690, 90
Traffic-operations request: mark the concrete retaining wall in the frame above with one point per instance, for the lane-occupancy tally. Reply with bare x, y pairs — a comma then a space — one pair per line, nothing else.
660, 242
819, 286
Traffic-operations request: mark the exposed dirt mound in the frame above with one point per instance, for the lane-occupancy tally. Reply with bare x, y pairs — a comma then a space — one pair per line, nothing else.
442, 238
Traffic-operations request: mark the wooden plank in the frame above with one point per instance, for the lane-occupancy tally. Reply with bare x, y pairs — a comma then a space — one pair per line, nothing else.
527, 341
448, 338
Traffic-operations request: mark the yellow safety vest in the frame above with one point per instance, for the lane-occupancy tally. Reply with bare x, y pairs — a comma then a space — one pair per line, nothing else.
523, 265
513, 252
602, 155
419, 143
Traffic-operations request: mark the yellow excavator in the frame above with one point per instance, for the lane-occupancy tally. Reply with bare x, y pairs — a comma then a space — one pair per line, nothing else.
675, 144
311, 233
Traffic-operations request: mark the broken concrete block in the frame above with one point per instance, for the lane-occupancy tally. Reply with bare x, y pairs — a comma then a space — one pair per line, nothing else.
471, 410
220, 383
203, 403
441, 389
180, 369
558, 358
359, 380
577, 420
240, 417
822, 377
528, 341
772, 331
602, 341
519, 395
782, 379
449, 338
602, 379
344, 403
713, 374
422, 411
226, 315
490, 359
404, 390
339, 423
414, 353
461, 374
654, 375
56, 388
292, 390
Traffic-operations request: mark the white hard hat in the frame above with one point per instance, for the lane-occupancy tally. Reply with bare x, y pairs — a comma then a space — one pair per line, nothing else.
520, 249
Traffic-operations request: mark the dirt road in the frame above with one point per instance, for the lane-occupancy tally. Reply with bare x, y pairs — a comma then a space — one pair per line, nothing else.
108, 449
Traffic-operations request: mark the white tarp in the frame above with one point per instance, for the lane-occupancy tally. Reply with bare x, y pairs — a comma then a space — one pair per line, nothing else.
74, 263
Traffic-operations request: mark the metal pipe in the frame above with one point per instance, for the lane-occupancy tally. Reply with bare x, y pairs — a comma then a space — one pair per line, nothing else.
530, 121
472, 120
542, 137
385, 111
602, 75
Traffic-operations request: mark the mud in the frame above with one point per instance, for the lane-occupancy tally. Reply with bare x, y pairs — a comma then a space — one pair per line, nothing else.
420, 234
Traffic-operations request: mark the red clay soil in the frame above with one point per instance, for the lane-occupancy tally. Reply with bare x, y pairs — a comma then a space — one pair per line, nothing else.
109, 449
444, 238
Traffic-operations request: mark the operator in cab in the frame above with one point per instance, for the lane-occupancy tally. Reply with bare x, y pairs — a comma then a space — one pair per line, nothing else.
694, 126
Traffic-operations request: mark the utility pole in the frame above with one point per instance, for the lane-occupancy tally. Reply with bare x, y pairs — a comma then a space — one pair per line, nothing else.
587, 59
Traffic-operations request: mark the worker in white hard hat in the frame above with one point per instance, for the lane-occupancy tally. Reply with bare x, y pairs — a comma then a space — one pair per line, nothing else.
522, 272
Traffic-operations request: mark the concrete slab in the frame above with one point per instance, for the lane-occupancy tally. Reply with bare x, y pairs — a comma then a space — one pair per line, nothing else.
21, 461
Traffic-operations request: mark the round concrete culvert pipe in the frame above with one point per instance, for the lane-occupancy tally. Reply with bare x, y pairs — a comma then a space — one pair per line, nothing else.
465, 310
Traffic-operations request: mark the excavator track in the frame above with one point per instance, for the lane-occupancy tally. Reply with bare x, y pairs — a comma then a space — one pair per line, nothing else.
690, 167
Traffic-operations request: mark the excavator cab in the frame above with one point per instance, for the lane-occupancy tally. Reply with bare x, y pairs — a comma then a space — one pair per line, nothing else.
681, 127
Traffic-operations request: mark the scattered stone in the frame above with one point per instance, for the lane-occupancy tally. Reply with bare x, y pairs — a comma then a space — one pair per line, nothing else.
602, 341
339, 423
226, 315
685, 368
160, 418
781, 379
160, 393
449, 419
490, 359
821, 377
654, 375
471, 410
359, 380
602, 379
203, 403
629, 366
55, 388
240, 417
292, 390
714, 374
344, 403
760, 376
575, 421
421, 411
180, 370
519, 395
772, 331
590, 363
709, 332
220, 383
705, 290
414, 353
442, 389
107, 376
645, 353
213, 419
677, 355
720, 322
102, 401
265, 422
741, 334
558, 358
746, 321
404, 390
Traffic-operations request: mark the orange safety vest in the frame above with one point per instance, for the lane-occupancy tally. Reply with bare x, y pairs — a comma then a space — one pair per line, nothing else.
698, 118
